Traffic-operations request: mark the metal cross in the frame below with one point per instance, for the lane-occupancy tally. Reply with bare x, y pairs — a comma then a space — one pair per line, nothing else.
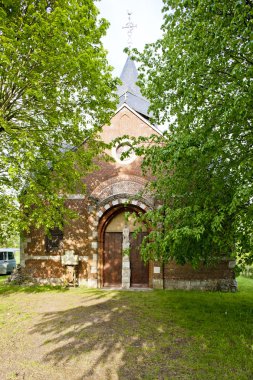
130, 26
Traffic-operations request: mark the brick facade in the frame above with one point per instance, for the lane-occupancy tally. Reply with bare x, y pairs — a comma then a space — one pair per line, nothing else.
110, 190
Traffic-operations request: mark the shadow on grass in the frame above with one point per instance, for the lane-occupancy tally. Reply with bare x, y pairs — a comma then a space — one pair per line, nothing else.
158, 335
112, 338
153, 335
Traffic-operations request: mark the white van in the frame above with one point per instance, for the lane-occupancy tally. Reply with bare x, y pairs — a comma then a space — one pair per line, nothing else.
7, 260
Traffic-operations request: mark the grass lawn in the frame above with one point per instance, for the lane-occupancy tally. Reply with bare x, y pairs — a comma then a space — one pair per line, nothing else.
52, 333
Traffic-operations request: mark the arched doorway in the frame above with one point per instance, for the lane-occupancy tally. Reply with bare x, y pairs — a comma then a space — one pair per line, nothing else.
117, 269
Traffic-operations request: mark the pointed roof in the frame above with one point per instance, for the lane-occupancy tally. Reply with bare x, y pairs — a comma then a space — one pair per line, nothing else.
129, 77
129, 93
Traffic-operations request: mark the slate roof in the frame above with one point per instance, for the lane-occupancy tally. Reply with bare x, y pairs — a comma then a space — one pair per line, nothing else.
129, 92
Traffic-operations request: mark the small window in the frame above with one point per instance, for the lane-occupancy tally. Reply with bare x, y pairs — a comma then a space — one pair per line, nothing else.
10, 255
3, 255
53, 240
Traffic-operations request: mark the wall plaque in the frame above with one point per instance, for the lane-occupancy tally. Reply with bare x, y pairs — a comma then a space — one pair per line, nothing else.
70, 258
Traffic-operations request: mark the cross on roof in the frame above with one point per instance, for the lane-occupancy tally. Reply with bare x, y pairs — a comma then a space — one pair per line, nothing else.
130, 26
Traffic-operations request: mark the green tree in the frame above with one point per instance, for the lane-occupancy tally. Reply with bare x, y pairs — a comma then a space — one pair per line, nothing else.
198, 77
55, 93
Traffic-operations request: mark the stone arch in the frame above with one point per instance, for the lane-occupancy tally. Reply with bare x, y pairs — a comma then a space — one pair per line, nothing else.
105, 217
98, 219
102, 210
127, 186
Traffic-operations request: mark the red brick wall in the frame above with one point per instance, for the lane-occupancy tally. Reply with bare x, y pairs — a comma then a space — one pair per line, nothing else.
134, 126
45, 268
172, 271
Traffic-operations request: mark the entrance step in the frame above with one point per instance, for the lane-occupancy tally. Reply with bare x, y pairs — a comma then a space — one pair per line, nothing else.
133, 289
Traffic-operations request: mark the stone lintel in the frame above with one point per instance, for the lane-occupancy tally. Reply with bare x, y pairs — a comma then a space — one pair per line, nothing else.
36, 257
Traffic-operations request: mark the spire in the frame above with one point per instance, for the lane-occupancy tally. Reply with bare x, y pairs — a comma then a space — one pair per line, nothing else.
129, 93
129, 77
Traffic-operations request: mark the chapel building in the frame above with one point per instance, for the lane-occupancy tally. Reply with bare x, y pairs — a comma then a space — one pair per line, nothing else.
98, 248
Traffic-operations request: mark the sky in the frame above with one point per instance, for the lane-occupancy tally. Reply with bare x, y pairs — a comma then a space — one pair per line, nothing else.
146, 14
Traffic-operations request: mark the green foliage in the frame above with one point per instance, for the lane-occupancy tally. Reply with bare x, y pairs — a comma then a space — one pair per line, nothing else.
55, 93
126, 252
13, 241
248, 271
198, 77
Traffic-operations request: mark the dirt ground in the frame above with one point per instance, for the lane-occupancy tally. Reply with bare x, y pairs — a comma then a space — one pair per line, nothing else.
81, 334
78, 334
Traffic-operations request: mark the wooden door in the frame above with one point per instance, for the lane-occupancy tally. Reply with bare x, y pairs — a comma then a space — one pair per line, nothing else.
112, 265
139, 270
